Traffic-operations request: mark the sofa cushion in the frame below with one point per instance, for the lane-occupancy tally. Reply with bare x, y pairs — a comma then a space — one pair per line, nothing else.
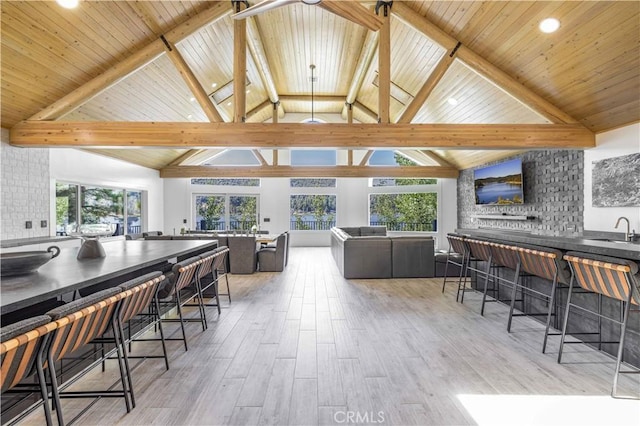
367, 257
368, 231
412, 257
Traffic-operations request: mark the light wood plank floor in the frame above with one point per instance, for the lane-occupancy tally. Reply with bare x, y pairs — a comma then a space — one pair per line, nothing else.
307, 346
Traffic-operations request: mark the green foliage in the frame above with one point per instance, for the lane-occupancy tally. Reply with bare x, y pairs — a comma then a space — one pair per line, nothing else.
409, 212
404, 161
210, 208
312, 183
100, 203
226, 182
244, 209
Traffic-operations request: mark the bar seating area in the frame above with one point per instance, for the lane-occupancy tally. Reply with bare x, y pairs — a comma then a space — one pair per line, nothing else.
74, 337
594, 274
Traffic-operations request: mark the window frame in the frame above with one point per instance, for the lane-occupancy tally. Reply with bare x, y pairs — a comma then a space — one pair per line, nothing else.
409, 189
227, 204
125, 190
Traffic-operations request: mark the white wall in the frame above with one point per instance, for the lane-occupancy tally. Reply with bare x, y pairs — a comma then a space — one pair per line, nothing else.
74, 166
614, 143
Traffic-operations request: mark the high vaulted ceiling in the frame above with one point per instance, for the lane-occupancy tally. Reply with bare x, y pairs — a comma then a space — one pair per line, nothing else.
589, 69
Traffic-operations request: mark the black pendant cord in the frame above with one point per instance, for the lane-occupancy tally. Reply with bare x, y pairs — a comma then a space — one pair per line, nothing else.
313, 67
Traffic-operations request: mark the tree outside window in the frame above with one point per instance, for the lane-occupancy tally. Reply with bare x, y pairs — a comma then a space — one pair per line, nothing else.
404, 212
312, 212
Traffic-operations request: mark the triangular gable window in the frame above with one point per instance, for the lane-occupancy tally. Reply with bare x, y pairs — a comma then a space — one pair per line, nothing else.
383, 157
234, 157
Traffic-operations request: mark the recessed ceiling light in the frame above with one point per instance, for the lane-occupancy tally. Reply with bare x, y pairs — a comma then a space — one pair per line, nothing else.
214, 84
549, 25
192, 99
248, 90
68, 4
452, 101
189, 116
228, 103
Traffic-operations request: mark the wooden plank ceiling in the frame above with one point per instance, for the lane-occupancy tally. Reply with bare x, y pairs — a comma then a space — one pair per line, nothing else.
589, 68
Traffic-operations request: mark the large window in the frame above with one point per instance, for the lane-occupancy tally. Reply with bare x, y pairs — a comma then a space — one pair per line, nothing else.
312, 212
226, 182
220, 212
78, 205
312, 183
404, 212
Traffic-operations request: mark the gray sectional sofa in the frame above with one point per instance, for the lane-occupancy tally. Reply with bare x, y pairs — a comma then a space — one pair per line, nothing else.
367, 252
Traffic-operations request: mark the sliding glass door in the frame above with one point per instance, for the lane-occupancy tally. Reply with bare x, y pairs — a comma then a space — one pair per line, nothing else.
220, 212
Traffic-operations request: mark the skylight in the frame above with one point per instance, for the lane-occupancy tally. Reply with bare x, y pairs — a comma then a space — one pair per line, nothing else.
234, 157
313, 157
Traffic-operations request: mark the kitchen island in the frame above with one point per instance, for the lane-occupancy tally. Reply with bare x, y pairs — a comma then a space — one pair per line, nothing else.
66, 274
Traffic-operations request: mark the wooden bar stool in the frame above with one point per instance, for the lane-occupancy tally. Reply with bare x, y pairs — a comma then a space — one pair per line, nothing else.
457, 257
137, 295
207, 273
78, 323
21, 354
480, 250
181, 276
545, 263
503, 256
611, 277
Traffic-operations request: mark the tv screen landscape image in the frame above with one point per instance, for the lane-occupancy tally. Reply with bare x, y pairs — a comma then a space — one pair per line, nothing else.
499, 184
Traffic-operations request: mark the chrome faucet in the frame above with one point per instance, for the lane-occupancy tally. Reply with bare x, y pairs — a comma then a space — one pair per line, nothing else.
628, 236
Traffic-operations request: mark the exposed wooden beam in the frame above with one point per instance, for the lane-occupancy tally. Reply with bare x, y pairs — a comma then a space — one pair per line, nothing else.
239, 66
186, 156
274, 112
354, 12
146, 15
259, 156
274, 155
482, 66
384, 66
350, 157
432, 81
309, 171
300, 135
203, 156
259, 109
256, 48
366, 157
192, 82
437, 158
132, 63
307, 98
364, 62
372, 115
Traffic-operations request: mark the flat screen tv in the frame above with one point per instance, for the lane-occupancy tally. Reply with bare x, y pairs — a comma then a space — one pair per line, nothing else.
499, 184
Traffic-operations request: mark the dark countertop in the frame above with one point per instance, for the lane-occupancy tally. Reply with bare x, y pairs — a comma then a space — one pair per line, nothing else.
65, 273
35, 240
584, 244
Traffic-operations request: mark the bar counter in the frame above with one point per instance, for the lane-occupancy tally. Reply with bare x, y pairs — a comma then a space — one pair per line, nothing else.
620, 249
65, 273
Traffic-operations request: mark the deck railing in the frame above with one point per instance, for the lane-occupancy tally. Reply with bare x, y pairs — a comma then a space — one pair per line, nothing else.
312, 225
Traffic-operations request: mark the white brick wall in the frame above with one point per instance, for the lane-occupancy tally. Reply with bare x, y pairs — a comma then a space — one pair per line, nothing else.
24, 190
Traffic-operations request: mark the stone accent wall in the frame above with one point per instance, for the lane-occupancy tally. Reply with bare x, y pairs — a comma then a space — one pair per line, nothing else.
553, 193
24, 190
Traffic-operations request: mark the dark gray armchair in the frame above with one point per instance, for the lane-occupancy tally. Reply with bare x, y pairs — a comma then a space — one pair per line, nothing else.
272, 259
242, 254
